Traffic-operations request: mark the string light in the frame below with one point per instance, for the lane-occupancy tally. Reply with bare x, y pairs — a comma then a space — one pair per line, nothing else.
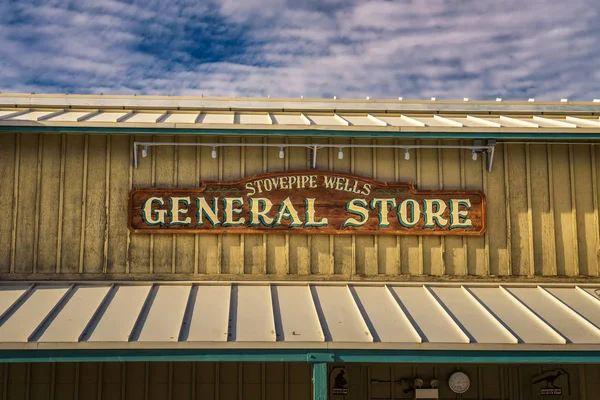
214, 152
341, 154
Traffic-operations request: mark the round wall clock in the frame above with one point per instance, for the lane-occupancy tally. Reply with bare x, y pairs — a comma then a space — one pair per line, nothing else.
459, 382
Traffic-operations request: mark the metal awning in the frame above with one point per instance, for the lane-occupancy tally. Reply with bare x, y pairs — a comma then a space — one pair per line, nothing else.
375, 121
385, 118
293, 315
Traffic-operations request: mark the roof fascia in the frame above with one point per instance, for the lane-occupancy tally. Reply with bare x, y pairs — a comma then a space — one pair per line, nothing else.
295, 355
308, 133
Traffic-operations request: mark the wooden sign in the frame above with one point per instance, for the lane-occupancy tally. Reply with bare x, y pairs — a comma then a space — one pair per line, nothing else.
307, 202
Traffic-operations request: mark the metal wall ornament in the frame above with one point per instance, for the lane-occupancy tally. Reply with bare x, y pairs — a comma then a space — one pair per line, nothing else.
459, 382
338, 380
552, 383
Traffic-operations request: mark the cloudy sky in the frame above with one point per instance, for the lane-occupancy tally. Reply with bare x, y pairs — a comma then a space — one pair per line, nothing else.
448, 49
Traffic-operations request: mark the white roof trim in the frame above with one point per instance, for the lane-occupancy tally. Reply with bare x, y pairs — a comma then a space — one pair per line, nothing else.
288, 104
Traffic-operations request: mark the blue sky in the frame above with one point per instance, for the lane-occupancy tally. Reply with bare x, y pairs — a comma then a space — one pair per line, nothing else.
448, 49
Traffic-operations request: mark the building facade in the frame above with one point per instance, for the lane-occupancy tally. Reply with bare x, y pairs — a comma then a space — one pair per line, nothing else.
488, 264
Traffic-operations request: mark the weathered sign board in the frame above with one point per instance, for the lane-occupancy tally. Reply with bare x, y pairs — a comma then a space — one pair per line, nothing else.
307, 202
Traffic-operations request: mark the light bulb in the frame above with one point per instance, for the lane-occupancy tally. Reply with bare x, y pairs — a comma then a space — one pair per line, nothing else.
474, 155
145, 151
214, 152
281, 152
341, 154
406, 155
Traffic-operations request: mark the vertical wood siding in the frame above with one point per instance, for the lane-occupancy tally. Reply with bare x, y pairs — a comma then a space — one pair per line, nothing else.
156, 381
273, 381
65, 202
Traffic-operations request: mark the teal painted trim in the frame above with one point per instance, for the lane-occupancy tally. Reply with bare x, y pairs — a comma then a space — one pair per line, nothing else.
467, 357
314, 356
152, 355
319, 379
304, 133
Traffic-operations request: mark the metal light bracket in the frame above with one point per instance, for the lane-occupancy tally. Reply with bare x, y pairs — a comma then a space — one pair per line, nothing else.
478, 148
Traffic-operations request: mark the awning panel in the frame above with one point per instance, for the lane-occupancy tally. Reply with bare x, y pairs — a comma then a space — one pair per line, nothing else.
383, 315
160, 320
10, 294
28, 315
482, 326
341, 318
299, 315
252, 314
579, 301
209, 319
116, 322
523, 323
82, 303
435, 325
295, 314
569, 324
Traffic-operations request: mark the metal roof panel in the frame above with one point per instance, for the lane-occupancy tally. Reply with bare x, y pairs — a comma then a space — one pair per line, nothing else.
28, 315
296, 318
290, 119
209, 319
428, 316
560, 317
10, 294
357, 315
340, 316
107, 117
215, 118
144, 117
251, 315
181, 118
115, 323
72, 319
479, 323
30, 116
520, 320
161, 321
579, 301
384, 317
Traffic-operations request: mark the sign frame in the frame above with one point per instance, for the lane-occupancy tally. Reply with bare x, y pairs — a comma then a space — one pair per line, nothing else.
349, 184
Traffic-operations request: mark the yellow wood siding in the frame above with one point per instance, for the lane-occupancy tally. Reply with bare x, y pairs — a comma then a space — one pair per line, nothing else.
68, 197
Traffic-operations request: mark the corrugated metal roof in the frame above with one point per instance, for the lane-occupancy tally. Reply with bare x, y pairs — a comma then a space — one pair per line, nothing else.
376, 122
298, 315
79, 111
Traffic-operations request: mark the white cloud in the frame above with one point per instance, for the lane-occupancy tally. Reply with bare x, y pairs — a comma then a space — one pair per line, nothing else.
382, 49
